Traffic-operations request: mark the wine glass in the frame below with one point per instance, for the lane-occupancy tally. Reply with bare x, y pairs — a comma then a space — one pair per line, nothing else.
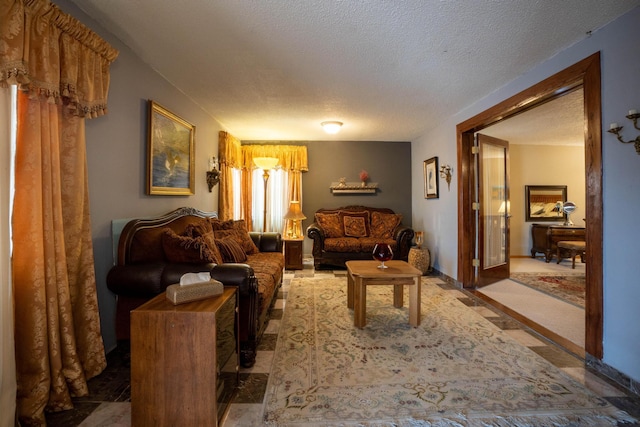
382, 252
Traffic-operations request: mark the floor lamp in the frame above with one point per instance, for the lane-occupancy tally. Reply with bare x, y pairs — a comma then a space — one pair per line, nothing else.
266, 164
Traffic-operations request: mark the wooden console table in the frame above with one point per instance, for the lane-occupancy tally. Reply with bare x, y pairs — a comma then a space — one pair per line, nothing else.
184, 361
545, 238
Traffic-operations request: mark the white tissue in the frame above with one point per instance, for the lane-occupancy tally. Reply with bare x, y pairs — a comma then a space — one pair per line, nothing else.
192, 278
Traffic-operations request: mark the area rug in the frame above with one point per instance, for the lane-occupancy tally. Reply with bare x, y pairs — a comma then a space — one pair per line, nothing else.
567, 287
456, 369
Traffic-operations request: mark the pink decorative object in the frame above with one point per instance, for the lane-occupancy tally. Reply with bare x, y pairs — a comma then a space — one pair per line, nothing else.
364, 175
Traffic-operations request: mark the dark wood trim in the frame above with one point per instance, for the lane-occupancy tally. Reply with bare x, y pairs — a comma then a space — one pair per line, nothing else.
585, 74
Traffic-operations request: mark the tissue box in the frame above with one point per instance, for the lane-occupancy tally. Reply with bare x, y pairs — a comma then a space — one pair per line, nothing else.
179, 294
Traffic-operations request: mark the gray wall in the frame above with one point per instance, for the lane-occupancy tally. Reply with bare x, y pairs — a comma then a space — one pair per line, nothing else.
388, 164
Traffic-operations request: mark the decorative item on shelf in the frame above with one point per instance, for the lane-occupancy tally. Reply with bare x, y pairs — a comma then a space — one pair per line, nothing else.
382, 252
615, 129
344, 187
445, 172
213, 174
294, 215
419, 239
331, 126
266, 164
364, 176
568, 208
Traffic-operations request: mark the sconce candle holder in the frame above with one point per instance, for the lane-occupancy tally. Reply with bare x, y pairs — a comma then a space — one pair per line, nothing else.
615, 129
445, 172
213, 174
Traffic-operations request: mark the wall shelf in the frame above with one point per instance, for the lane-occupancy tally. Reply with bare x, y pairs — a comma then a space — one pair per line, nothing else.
353, 188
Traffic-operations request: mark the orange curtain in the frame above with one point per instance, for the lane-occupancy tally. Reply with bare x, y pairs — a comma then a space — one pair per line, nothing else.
62, 69
230, 159
292, 158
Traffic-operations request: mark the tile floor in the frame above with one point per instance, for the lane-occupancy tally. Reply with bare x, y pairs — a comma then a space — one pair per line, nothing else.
109, 404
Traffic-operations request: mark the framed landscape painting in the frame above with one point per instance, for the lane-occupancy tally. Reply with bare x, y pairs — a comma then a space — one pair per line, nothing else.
170, 153
430, 170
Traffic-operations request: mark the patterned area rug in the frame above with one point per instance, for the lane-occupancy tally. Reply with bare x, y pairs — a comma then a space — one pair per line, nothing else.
456, 369
567, 287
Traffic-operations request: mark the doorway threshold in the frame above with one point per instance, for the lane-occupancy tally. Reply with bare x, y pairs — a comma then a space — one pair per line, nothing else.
556, 320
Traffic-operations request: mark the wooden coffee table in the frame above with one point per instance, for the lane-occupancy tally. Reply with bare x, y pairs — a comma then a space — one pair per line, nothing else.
366, 273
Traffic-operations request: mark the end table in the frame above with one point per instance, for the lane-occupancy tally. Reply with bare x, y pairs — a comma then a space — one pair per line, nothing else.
293, 254
420, 258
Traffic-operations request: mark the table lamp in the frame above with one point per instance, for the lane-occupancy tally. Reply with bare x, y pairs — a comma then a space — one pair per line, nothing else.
294, 214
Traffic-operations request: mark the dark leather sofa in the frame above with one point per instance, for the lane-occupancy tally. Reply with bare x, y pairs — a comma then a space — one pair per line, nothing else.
143, 271
351, 232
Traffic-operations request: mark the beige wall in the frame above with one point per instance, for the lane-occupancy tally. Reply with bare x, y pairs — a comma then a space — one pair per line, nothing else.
543, 165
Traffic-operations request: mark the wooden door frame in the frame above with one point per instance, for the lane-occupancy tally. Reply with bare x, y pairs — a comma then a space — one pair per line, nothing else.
585, 74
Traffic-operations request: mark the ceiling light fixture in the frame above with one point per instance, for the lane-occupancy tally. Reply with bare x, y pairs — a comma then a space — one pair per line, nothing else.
331, 126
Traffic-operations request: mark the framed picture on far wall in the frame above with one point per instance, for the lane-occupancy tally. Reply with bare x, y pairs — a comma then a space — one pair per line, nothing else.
170, 153
430, 170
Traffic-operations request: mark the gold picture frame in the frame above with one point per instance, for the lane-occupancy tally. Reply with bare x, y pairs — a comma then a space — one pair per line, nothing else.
170, 153
430, 171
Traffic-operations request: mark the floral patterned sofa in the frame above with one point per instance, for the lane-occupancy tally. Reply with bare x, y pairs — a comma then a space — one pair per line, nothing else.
154, 253
351, 232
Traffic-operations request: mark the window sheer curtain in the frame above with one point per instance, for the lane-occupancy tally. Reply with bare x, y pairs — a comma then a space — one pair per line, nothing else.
7, 350
62, 69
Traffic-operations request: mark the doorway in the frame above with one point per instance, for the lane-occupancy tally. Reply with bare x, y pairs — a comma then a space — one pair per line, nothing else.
585, 74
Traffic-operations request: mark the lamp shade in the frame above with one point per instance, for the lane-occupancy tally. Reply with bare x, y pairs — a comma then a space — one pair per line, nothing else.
265, 163
294, 211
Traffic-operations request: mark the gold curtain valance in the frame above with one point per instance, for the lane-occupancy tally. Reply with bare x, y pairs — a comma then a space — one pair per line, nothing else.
229, 150
49, 53
290, 157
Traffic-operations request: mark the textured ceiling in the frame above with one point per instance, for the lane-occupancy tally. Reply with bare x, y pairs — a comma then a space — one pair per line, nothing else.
390, 70
557, 122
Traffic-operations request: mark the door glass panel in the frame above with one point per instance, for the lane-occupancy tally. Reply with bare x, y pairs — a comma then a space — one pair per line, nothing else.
494, 205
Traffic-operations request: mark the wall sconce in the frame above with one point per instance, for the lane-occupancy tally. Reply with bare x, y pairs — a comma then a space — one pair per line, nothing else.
213, 174
615, 129
445, 172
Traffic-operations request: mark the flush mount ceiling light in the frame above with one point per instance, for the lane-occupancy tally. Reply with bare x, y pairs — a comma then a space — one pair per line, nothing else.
331, 127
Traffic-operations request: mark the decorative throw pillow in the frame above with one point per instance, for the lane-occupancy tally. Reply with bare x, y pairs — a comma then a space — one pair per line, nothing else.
246, 241
383, 224
185, 249
241, 238
218, 224
230, 250
205, 231
355, 224
330, 224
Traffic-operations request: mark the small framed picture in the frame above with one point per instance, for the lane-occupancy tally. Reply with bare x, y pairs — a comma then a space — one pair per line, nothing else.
430, 170
170, 153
